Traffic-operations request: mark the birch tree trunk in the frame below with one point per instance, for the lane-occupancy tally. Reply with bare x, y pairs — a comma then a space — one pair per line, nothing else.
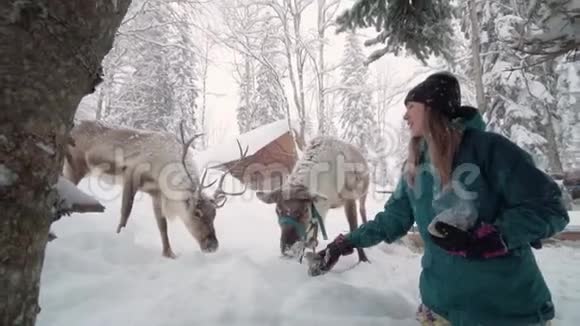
552, 146
300, 57
204, 69
553, 149
50, 56
476, 57
285, 11
321, 24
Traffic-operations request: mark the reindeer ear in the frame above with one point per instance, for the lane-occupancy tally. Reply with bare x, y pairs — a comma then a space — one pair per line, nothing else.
318, 197
300, 193
269, 197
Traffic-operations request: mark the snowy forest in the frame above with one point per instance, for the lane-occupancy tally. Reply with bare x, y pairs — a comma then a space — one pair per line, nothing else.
210, 72
317, 65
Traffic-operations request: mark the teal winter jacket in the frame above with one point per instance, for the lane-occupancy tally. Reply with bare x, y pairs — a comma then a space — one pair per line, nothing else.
519, 199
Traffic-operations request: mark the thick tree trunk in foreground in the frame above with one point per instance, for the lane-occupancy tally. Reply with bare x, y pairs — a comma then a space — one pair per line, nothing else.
50, 55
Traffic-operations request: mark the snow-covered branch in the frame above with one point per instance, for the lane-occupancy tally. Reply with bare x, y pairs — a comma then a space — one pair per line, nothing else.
74, 200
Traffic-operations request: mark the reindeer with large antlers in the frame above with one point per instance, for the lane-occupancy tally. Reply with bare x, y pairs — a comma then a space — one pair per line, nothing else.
157, 163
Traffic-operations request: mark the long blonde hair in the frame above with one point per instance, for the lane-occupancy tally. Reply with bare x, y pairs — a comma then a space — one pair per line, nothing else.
442, 141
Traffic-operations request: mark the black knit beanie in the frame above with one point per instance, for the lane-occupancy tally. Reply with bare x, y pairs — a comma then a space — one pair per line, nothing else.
441, 92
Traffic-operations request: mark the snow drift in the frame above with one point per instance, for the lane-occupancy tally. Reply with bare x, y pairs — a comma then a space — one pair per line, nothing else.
93, 276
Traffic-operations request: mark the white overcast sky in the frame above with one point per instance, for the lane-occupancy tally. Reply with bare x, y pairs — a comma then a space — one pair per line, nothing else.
221, 116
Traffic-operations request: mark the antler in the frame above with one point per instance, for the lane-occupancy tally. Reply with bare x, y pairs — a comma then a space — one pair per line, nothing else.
219, 194
186, 149
203, 185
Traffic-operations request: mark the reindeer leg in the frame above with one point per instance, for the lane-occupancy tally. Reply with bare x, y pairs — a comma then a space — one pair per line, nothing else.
162, 225
350, 210
362, 208
129, 191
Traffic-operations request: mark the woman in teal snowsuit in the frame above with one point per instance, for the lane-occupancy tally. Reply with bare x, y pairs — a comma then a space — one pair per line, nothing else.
486, 273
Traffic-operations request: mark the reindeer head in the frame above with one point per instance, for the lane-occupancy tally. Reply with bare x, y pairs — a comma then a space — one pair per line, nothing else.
199, 221
294, 210
201, 215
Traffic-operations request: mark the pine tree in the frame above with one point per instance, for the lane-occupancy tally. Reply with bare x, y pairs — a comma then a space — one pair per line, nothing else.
268, 100
150, 75
379, 160
551, 30
357, 119
421, 27
262, 99
521, 100
401, 151
181, 67
246, 109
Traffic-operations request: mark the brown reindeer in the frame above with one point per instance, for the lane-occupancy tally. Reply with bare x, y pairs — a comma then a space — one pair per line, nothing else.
154, 162
330, 174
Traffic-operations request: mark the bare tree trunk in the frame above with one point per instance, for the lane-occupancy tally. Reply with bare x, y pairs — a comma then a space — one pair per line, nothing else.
250, 75
476, 57
552, 150
50, 55
205, 66
381, 102
300, 62
297, 102
295, 59
321, 24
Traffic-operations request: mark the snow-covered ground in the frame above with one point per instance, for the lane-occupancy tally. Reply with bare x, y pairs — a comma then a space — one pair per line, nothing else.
93, 276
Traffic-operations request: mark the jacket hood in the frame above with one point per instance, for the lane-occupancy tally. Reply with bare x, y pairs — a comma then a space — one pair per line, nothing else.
471, 119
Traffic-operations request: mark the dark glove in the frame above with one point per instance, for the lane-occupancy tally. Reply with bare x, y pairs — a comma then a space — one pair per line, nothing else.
485, 241
324, 260
536, 244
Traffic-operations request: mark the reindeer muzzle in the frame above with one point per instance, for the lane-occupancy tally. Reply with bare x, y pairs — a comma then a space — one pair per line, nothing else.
210, 245
287, 221
315, 220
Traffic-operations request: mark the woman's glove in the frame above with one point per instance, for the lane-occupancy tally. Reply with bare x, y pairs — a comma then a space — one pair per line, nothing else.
324, 260
485, 241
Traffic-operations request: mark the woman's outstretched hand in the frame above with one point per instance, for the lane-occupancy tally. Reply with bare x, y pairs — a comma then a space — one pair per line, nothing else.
323, 261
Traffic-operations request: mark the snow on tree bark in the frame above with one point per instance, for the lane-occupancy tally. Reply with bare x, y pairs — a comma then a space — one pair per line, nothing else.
476, 56
50, 55
568, 133
552, 30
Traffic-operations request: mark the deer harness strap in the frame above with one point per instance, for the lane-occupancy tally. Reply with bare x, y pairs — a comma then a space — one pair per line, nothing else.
315, 219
